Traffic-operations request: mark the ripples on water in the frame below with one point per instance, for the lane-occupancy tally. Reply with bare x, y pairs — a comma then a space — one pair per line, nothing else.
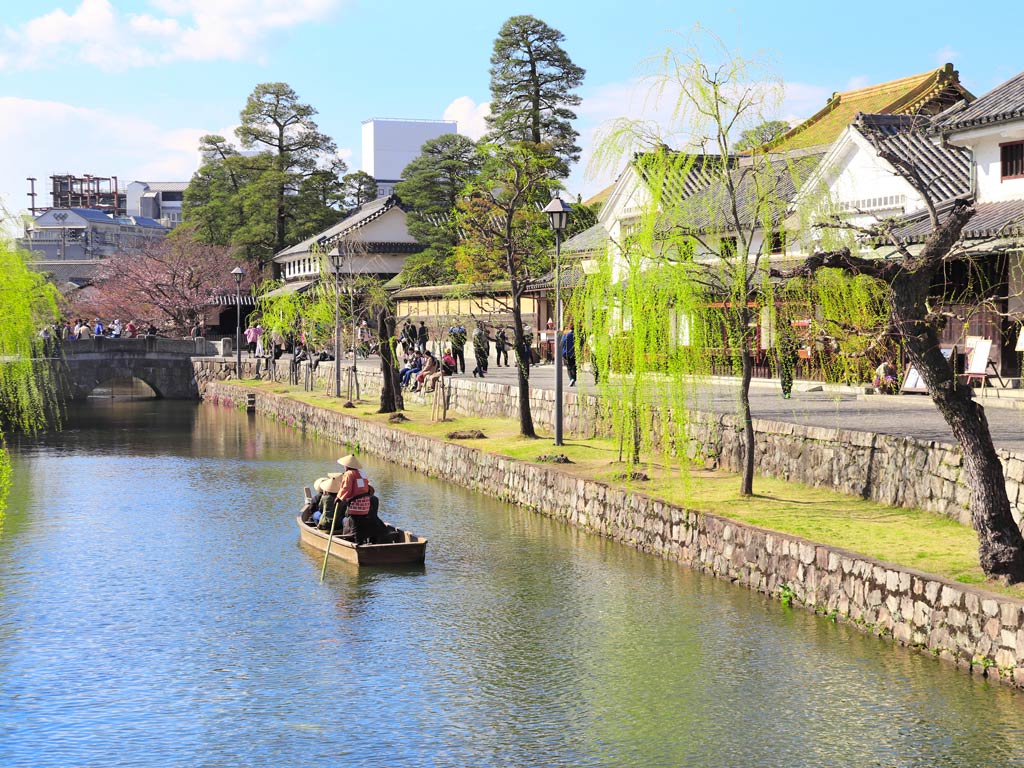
156, 609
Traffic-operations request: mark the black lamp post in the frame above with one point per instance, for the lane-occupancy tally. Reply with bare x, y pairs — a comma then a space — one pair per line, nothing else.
558, 215
238, 272
336, 262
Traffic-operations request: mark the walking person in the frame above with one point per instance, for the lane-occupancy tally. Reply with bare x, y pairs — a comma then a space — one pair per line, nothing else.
569, 356
259, 340
422, 337
786, 355
457, 336
481, 349
500, 347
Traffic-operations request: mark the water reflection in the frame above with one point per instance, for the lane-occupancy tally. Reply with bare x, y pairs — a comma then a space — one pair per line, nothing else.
157, 609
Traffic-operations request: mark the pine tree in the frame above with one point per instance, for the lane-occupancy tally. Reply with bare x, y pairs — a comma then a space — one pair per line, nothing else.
532, 83
433, 184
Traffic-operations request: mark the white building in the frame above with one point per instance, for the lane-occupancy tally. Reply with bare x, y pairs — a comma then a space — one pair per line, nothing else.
372, 240
389, 145
159, 200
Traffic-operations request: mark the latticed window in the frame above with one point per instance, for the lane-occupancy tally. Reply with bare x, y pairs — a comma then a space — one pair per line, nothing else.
1012, 159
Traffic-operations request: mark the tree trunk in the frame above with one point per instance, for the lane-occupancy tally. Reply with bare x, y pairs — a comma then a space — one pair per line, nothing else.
1000, 544
522, 367
391, 399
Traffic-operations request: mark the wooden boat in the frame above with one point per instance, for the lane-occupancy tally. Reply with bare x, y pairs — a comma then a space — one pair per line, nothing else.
405, 549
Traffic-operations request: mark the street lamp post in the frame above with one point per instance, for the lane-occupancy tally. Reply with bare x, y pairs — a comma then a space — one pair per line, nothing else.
336, 260
238, 272
558, 215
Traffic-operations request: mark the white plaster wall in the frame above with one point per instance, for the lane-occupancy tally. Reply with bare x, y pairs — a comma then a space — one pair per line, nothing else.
991, 188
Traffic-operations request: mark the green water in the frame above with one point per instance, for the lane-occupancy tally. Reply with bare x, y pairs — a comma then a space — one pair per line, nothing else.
156, 609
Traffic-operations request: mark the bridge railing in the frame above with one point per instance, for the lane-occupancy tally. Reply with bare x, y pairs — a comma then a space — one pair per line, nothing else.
141, 344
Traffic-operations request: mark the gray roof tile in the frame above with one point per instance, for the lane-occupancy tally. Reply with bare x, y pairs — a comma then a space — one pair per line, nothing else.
1004, 102
947, 170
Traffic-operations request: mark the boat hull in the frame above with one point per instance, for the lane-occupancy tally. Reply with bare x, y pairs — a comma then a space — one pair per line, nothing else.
410, 550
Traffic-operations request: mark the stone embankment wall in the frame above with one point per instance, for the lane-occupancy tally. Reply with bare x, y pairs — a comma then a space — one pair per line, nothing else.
898, 471
978, 631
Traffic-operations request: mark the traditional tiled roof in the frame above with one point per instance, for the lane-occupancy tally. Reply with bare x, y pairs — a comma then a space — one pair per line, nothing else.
990, 220
927, 93
601, 197
572, 276
360, 217
946, 169
590, 240
754, 189
680, 175
471, 289
1004, 102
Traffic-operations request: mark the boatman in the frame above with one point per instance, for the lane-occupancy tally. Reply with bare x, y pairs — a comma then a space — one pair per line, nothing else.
355, 498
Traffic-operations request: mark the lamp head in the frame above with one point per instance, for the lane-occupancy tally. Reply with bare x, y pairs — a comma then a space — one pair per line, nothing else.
558, 213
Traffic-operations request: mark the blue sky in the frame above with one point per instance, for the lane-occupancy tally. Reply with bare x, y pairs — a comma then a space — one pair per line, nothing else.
126, 87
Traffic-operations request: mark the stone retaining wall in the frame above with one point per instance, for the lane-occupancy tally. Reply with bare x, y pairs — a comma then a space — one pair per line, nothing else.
898, 471
978, 631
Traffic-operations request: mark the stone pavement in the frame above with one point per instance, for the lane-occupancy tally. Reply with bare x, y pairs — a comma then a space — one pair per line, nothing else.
900, 415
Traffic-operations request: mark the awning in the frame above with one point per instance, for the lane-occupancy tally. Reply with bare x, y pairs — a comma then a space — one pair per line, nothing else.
296, 286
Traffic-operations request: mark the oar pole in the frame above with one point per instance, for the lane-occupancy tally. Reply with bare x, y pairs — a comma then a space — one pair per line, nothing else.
330, 538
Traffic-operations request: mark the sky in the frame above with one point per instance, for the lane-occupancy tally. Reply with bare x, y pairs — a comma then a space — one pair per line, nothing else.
126, 87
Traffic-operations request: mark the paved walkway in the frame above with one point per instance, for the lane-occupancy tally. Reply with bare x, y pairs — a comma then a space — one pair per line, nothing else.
909, 415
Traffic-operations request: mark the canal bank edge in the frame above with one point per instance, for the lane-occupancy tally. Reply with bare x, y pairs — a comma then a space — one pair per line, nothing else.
892, 470
979, 632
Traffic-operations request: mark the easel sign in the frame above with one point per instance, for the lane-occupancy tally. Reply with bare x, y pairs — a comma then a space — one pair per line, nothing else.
979, 363
912, 381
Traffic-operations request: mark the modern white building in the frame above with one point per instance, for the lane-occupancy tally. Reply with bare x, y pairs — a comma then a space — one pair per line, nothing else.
159, 200
391, 144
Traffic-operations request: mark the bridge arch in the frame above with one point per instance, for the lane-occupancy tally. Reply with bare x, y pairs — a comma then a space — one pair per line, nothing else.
162, 365
125, 388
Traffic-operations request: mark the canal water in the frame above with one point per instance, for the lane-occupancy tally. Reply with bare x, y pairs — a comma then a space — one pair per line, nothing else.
156, 609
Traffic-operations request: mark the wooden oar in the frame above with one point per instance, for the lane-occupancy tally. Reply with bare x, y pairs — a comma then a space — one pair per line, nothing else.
330, 538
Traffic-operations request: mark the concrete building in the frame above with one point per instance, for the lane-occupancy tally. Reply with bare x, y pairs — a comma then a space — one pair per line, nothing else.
159, 200
83, 234
391, 144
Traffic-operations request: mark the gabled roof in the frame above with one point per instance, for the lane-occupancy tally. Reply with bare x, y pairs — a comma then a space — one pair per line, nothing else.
141, 221
1003, 103
990, 220
946, 169
928, 93
360, 217
681, 175
775, 187
592, 239
91, 214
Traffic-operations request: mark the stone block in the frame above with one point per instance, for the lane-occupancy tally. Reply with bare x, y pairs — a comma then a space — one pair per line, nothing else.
1010, 615
950, 597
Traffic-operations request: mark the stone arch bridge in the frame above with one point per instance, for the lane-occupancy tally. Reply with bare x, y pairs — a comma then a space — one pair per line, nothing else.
163, 364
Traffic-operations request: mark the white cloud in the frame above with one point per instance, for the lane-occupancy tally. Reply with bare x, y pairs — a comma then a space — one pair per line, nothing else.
99, 33
54, 137
470, 116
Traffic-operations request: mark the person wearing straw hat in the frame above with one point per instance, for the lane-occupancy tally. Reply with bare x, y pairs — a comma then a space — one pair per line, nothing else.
316, 502
355, 498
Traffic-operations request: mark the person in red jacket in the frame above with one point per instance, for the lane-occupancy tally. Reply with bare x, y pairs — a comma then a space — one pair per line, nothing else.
356, 498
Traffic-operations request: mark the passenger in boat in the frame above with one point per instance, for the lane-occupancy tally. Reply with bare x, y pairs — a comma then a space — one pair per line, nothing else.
355, 495
316, 502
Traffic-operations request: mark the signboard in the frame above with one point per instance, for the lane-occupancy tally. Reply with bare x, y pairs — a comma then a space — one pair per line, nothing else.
912, 381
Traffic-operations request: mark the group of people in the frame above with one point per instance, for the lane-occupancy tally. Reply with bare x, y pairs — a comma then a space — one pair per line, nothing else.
345, 502
422, 370
73, 330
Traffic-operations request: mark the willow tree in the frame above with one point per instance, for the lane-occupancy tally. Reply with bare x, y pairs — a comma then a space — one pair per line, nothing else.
687, 276
505, 235
28, 395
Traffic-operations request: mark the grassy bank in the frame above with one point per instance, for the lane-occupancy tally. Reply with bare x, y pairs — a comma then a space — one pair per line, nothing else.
906, 537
